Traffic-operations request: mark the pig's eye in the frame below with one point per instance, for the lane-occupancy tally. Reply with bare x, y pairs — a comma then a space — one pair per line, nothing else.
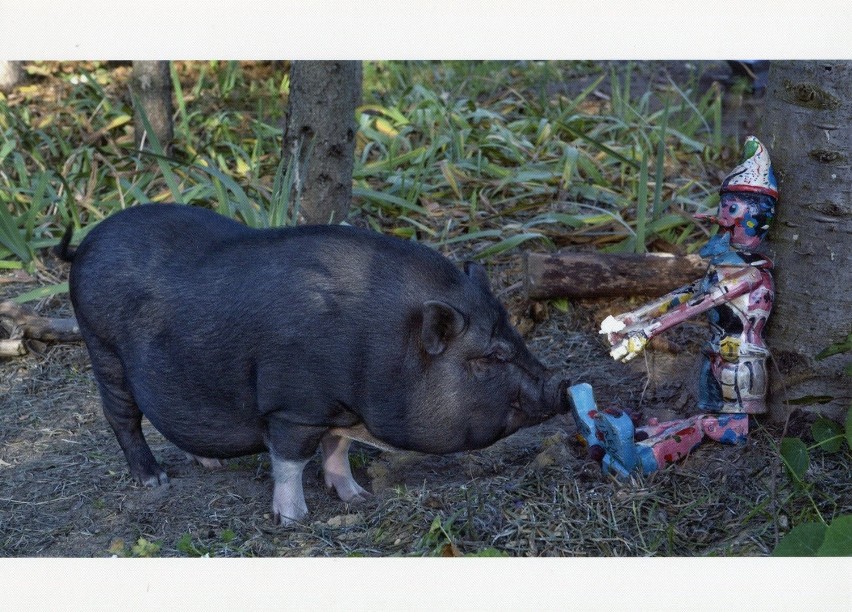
481, 366
501, 352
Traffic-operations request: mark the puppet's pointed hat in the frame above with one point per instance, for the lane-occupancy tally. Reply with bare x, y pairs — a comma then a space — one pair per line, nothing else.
754, 174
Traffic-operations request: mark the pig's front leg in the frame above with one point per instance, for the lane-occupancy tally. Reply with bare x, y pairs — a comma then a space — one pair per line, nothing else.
336, 469
290, 448
288, 496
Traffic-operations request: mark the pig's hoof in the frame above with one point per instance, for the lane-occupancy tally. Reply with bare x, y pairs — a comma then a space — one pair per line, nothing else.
347, 489
360, 497
353, 493
155, 480
284, 520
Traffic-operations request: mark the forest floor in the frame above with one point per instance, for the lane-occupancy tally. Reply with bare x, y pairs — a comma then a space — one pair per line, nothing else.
65, 490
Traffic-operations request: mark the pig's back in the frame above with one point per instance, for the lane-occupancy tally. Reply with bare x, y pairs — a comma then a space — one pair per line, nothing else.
141, 271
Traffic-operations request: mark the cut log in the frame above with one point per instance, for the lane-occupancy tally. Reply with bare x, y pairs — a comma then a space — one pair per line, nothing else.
41, 328
12, 348
588, 274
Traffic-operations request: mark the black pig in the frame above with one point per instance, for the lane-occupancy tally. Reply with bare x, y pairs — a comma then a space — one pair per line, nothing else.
234, 341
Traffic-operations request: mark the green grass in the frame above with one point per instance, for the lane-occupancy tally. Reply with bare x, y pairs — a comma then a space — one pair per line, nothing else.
488, 155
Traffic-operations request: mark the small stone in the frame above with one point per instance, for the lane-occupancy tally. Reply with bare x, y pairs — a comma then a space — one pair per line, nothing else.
559, 437
344, 520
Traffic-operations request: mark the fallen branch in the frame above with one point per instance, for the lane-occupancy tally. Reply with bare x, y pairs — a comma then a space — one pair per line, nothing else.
12, 348
587, 274
22, 322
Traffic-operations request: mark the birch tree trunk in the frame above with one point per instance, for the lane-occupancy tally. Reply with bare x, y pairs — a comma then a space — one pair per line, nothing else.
808, 130
319, 138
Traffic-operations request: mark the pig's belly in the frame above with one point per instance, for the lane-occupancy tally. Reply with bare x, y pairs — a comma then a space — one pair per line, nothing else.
205, 433
200, 425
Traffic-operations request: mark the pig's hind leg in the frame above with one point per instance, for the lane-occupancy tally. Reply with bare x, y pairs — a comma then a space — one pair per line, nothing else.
123, 415
336, 469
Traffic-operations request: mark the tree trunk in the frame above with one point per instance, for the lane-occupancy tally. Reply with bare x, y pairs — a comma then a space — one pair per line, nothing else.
319, 139
151, 86
808, 131
11, 74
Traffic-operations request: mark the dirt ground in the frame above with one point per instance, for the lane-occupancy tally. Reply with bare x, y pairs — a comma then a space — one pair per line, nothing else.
65, 490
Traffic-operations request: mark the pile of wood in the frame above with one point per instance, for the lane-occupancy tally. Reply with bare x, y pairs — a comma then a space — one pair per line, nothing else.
22, 323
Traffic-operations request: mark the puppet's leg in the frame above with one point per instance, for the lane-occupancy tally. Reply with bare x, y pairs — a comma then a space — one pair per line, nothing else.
743, 385
709, 390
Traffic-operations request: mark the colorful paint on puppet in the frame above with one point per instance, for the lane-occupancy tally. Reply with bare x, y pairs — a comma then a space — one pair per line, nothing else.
754, 174
726, 428
626, 449
737, 294
585, 410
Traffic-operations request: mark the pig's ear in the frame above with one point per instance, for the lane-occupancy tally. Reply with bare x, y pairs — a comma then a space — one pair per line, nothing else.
441, 323
477, 274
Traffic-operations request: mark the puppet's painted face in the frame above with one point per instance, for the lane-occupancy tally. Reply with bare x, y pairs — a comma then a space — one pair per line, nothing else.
747, 198
745, 216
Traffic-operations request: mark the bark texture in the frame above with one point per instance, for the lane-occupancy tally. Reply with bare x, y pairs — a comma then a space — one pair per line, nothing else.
152, 89
319, 139
808, 130
20, 322
11, 74
587, 274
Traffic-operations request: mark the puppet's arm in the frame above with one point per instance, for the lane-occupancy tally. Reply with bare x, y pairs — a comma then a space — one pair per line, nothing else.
630, 332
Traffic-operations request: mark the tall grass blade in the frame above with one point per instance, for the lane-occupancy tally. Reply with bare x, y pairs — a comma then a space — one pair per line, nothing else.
282, 189
661, 157
41, 292
387, 200
469, 236
181, 103
573, 221
11, 237
717, 118
242, 203
615, 93
7, 148
572, 106
509, 243
642, 204
690, 104
599, 145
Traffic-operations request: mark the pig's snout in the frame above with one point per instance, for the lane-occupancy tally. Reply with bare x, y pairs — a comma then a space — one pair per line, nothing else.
556, 395
547, 398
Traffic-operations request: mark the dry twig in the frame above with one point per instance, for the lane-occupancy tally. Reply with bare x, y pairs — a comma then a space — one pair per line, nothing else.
21, 322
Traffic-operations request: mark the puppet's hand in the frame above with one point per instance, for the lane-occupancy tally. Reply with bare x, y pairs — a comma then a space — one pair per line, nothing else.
629, 347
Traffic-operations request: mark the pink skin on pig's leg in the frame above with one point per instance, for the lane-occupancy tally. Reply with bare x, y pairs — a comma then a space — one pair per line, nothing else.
336, 469
288, 496
210, 464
